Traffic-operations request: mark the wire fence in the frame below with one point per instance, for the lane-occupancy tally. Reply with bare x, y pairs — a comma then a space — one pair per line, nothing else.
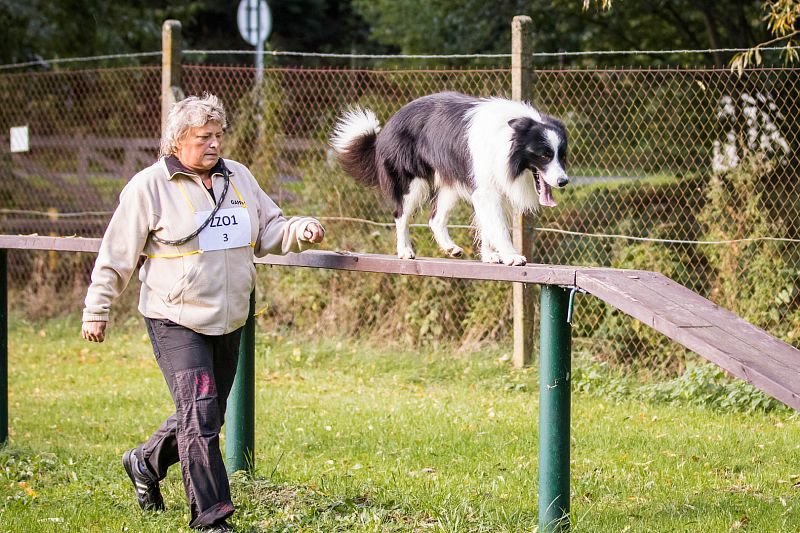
691, 172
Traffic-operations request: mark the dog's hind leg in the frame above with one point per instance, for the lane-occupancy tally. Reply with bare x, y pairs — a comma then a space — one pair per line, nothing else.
446, 199
491, 218
418, 192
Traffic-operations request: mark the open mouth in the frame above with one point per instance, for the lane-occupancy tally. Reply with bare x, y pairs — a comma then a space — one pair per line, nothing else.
545, 191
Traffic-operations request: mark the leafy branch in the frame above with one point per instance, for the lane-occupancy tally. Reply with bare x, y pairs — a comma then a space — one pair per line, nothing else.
781, 18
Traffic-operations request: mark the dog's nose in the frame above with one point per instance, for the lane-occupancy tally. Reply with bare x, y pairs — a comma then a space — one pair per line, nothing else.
562, 181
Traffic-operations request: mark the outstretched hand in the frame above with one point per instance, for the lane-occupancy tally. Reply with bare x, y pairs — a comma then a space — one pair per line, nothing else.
94, 331
314, 233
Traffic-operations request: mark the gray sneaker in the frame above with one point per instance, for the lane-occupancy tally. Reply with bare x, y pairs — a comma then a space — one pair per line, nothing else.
148, 494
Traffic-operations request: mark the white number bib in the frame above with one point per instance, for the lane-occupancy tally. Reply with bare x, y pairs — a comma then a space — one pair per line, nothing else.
230, 228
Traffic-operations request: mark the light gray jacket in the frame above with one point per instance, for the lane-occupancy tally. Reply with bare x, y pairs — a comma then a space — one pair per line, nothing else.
206, 291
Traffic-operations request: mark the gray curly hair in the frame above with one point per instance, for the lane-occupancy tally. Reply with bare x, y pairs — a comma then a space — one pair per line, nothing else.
191, 112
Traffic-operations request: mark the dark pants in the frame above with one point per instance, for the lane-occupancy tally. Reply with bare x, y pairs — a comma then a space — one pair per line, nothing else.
199, 370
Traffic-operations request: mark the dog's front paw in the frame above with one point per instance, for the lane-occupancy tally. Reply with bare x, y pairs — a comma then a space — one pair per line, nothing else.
514, 260
491, 257
406, 253
455, 251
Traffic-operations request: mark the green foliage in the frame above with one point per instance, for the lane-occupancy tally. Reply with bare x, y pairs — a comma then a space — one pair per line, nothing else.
75, 28
782, 17
752, 278
443, 26
90, 27
701, 385
709, 385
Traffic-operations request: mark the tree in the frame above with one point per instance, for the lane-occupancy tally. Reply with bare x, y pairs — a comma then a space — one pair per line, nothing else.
41, 29
474, 26
38, 29
781, 18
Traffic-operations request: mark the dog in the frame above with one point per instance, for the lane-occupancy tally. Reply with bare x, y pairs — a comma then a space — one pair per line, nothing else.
503, 156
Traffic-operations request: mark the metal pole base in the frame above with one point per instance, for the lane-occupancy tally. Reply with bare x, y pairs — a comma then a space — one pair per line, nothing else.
240, 417
554, 410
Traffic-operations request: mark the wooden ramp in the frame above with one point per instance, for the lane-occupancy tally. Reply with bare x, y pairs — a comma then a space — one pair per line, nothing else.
747, 352
712, 332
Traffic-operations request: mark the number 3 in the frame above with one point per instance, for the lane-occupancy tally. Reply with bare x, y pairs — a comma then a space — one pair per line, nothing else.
225, 237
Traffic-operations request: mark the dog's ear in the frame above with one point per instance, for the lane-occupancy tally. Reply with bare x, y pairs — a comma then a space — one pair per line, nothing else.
556, 125
521, 123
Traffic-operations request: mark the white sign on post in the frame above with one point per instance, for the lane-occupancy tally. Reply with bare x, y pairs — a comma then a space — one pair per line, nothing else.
255, 22
19, 139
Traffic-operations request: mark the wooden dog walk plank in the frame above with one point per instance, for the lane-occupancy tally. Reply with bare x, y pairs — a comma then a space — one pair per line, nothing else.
686, 317
442, 268
38, 242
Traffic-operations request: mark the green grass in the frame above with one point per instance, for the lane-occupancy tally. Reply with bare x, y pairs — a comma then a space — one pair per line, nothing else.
364, 437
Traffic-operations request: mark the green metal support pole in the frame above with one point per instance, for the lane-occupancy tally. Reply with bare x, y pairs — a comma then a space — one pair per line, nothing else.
3, 348
554, 410
240, 417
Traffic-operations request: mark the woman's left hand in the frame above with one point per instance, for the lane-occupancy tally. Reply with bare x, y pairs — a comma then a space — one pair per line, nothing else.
314, 233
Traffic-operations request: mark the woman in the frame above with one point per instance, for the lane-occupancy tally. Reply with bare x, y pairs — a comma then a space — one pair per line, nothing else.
199, 220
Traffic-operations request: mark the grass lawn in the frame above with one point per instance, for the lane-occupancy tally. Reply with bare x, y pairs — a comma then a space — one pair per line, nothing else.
356, 436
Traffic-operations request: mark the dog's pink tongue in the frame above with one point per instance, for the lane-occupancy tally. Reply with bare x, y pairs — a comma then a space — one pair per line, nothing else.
545, 194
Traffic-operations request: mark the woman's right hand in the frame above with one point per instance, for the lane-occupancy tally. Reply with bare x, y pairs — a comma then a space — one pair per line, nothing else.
314, 233
94, 331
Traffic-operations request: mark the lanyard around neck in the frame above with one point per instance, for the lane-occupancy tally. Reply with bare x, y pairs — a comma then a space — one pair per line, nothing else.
195, 233
191, 205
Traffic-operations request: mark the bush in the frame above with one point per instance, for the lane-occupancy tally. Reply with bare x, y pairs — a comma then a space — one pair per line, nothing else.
699, 384
752, 278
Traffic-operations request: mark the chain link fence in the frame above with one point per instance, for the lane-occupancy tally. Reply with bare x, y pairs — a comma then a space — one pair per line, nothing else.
690, 172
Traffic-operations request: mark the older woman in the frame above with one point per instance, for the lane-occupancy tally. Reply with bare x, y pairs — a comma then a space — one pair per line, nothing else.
199, 219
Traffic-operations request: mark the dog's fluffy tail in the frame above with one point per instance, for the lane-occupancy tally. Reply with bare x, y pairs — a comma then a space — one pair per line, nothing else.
353, 140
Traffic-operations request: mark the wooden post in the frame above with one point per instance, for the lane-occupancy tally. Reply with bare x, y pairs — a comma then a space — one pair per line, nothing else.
171, 91
523, 293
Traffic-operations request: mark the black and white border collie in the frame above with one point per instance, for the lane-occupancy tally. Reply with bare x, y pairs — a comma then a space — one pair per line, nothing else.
502, 156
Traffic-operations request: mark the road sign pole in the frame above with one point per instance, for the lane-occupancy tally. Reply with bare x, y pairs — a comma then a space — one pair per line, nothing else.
255, 23
259, 61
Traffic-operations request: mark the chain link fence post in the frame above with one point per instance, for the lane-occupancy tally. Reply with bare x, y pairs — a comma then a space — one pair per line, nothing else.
522, 293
